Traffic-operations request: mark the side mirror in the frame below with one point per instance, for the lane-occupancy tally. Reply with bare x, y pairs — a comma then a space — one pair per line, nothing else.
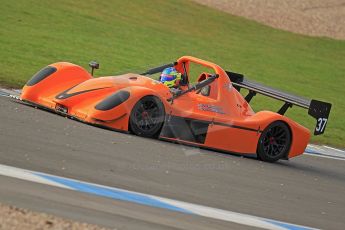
93, 65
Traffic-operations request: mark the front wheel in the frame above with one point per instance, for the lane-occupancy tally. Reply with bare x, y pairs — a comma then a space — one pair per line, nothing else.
147, 117
274, 142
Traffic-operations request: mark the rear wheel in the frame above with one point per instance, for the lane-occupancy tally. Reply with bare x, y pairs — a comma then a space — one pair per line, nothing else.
147, 117
274, 142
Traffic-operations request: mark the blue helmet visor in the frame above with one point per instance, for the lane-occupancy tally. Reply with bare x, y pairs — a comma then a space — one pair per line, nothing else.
167, 77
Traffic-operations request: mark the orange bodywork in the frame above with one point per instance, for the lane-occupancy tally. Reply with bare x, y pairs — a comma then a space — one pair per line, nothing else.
231, 124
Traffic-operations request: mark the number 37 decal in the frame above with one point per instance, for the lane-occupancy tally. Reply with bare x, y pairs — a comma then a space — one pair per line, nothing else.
321, 124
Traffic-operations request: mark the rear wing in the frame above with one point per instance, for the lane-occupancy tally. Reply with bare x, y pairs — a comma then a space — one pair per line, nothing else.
317, 109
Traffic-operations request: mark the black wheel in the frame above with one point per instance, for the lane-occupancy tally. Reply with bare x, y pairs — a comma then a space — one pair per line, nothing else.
274, 142
147, 117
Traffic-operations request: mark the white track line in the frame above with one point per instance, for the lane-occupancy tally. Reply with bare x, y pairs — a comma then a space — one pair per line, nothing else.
324, 156
339, 150
26, 175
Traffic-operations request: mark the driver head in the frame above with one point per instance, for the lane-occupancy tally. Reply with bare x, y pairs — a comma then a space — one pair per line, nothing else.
170, 77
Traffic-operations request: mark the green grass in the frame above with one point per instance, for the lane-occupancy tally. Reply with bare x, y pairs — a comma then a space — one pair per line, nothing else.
131, 35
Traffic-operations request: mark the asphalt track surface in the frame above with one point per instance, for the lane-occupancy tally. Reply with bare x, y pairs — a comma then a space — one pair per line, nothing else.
306, 190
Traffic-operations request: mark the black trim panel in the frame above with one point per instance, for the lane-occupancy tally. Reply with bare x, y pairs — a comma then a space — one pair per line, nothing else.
238, 127
65, 95
192, 130
224, 124
185, 129
113, 100
41, 75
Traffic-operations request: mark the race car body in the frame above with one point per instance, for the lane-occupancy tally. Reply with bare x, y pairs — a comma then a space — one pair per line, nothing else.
211, 113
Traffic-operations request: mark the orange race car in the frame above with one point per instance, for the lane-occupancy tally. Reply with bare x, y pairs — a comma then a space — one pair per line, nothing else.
211, 113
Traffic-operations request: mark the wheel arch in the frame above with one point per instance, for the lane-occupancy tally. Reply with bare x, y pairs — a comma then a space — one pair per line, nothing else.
115, 107
150, 93
300, 135
138, 92
53, 79
285, 157
260, 149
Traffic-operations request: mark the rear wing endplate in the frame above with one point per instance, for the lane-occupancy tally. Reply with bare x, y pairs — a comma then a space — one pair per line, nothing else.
317, 109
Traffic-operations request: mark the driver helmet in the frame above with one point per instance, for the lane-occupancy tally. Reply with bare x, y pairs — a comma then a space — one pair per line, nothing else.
170, 77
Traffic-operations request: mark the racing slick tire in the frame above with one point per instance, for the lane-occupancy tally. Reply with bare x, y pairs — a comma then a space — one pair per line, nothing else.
274, 142
147, 117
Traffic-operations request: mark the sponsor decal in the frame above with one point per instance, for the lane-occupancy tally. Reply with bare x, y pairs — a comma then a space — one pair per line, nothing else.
210, 108
228, 86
